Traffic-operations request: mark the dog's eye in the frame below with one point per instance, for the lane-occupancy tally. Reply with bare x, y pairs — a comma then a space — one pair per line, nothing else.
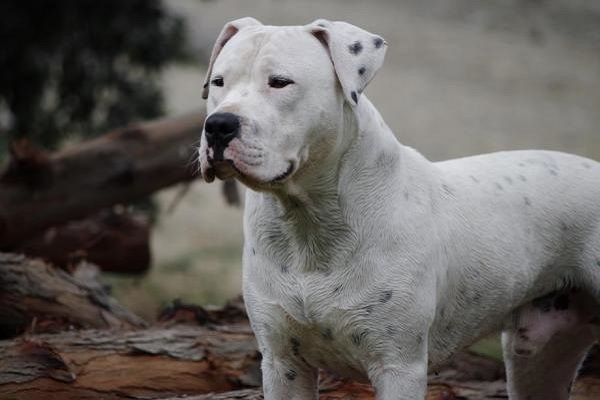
217, 81
279, 82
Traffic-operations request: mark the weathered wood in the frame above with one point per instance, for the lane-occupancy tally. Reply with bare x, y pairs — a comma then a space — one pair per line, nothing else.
33, 292
111, 365
39, 190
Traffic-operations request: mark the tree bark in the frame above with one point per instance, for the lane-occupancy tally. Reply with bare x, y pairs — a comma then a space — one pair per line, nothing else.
111, 365
36, 296
39, 190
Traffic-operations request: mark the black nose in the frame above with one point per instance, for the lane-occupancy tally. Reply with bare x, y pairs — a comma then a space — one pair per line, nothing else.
221, 128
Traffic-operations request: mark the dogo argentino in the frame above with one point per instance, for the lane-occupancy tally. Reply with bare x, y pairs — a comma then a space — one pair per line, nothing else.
364, 258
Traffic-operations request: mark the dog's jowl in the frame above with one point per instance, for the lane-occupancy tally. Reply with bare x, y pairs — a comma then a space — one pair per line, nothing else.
363, 257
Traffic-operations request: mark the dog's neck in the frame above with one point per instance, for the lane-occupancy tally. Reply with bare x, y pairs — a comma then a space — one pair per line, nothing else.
365, 142
313, 211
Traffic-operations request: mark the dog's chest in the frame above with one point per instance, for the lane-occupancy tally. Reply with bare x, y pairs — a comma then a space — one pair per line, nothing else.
320, 332
329, 321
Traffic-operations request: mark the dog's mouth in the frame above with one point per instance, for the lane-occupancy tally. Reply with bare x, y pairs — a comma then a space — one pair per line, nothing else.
283, 176
224, 169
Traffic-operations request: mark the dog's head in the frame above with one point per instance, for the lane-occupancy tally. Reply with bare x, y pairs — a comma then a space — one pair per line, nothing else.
276, 97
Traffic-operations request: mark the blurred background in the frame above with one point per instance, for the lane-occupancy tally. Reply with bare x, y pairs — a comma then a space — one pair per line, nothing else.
461, 77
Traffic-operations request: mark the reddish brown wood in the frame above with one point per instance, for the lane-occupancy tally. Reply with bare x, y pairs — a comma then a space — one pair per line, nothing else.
109, 364
113, 239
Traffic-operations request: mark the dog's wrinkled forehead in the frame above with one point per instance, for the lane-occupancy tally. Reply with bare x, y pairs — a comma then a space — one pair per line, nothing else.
355, 53
289, 49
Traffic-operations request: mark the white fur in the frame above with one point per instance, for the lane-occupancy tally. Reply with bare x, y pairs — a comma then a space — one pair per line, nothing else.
370, 260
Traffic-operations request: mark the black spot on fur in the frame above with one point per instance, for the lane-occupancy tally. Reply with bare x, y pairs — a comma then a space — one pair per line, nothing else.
284, 268
527, 201
295, 346
391, 330
447, 189
358, 337
561, 302
354, 96
356, 47
361, 71
291, 374
298, 300
498, 186
327, 334
253, 252
378, 42
337, 288
474, 179
385, 296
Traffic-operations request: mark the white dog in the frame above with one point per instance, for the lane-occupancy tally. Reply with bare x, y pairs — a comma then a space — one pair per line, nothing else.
364, 258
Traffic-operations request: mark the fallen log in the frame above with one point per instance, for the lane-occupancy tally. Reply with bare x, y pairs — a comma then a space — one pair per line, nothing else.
39, 190
112, 365
34, 295
209, 362
159, 363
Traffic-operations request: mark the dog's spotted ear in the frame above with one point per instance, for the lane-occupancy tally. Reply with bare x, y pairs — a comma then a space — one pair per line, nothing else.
356, 54
230, 29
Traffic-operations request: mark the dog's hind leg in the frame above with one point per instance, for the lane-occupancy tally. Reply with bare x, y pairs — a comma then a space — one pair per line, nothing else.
548, 372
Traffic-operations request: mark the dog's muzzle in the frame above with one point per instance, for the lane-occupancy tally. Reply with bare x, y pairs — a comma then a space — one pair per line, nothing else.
219, 130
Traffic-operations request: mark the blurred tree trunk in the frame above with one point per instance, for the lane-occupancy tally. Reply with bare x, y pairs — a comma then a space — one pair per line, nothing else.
114, 239
39, 190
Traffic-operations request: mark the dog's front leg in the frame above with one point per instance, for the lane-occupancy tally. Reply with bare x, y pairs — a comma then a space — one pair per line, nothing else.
401, 382
403, 377
288, 380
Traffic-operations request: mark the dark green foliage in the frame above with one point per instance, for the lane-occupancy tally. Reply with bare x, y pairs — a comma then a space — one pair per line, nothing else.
81, 67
